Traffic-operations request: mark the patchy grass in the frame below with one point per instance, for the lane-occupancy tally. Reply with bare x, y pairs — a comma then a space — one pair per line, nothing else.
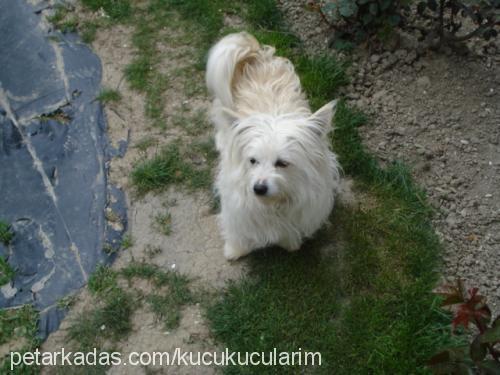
142, 74
320, 77
173, 291
109, 95
6, 234
63, 20
138, 72
6, 272
145, 143
117, 10
102, 280
110, 321
195, 123
88, 31
163, 223
152, 251
167, 168
127, 242
206, 149
167, 307
154, 274
19, 325
66, 302
207, 14
263, 14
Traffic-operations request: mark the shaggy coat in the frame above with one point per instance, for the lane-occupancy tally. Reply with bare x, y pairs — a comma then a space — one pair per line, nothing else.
277, 176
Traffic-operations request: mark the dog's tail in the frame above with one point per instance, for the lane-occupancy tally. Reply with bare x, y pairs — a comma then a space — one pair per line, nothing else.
224, 61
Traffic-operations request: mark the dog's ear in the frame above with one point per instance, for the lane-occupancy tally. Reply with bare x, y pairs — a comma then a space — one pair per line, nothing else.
321, 120
227, 116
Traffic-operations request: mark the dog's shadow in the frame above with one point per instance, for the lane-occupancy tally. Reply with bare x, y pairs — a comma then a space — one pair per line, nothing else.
320, 254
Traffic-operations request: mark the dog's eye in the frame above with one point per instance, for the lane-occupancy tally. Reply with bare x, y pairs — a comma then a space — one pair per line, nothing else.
253, 161
281, 164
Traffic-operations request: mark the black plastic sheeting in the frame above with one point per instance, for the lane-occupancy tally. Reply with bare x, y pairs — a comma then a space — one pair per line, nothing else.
53, 157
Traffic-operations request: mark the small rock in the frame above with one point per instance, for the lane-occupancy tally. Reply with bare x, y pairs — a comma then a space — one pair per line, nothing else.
401, 54
374, 59
411, 57
379, 95
423, 82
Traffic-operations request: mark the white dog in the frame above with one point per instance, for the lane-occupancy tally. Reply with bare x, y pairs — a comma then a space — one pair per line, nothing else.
277, 176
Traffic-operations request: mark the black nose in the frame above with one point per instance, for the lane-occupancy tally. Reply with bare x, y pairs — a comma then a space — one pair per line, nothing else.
260, 189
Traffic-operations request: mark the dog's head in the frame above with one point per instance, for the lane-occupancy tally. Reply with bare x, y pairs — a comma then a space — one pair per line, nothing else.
277, 157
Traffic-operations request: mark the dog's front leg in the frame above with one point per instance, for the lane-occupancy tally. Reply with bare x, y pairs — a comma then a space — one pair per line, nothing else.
234, 250
290, 245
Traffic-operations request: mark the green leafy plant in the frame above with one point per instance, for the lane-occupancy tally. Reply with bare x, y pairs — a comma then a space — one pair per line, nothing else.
360, 19
447, 17
482, 355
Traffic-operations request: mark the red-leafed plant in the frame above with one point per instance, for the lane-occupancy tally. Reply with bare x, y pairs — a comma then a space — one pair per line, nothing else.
482, 355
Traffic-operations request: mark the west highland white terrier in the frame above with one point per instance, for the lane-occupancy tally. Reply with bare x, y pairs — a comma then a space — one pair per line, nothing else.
277, 176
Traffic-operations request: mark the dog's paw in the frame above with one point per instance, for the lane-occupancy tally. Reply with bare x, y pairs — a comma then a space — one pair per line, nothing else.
232, 252
290, 247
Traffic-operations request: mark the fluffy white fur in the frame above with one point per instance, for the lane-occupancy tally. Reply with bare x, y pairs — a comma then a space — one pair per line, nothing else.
269, 143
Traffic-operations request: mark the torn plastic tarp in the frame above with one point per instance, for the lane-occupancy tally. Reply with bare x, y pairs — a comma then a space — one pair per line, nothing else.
53, 156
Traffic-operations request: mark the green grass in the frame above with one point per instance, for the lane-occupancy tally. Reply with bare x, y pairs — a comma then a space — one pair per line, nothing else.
6, 272
263, 14
62, 21
145, 143
204, 13
102, 280
127, 241
166, 168
19, 325
118, 10
6, 234
6, 237
138, 73
66, 302
88, 31
153, 273
320, 77
111, 320
142, 74
109, 95
163, 223
171, 294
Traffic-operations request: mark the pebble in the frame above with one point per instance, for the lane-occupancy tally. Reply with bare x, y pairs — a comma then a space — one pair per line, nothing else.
423, 82
374, 59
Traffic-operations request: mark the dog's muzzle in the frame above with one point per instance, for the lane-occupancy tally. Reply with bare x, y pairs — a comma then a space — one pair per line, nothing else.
260, 189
